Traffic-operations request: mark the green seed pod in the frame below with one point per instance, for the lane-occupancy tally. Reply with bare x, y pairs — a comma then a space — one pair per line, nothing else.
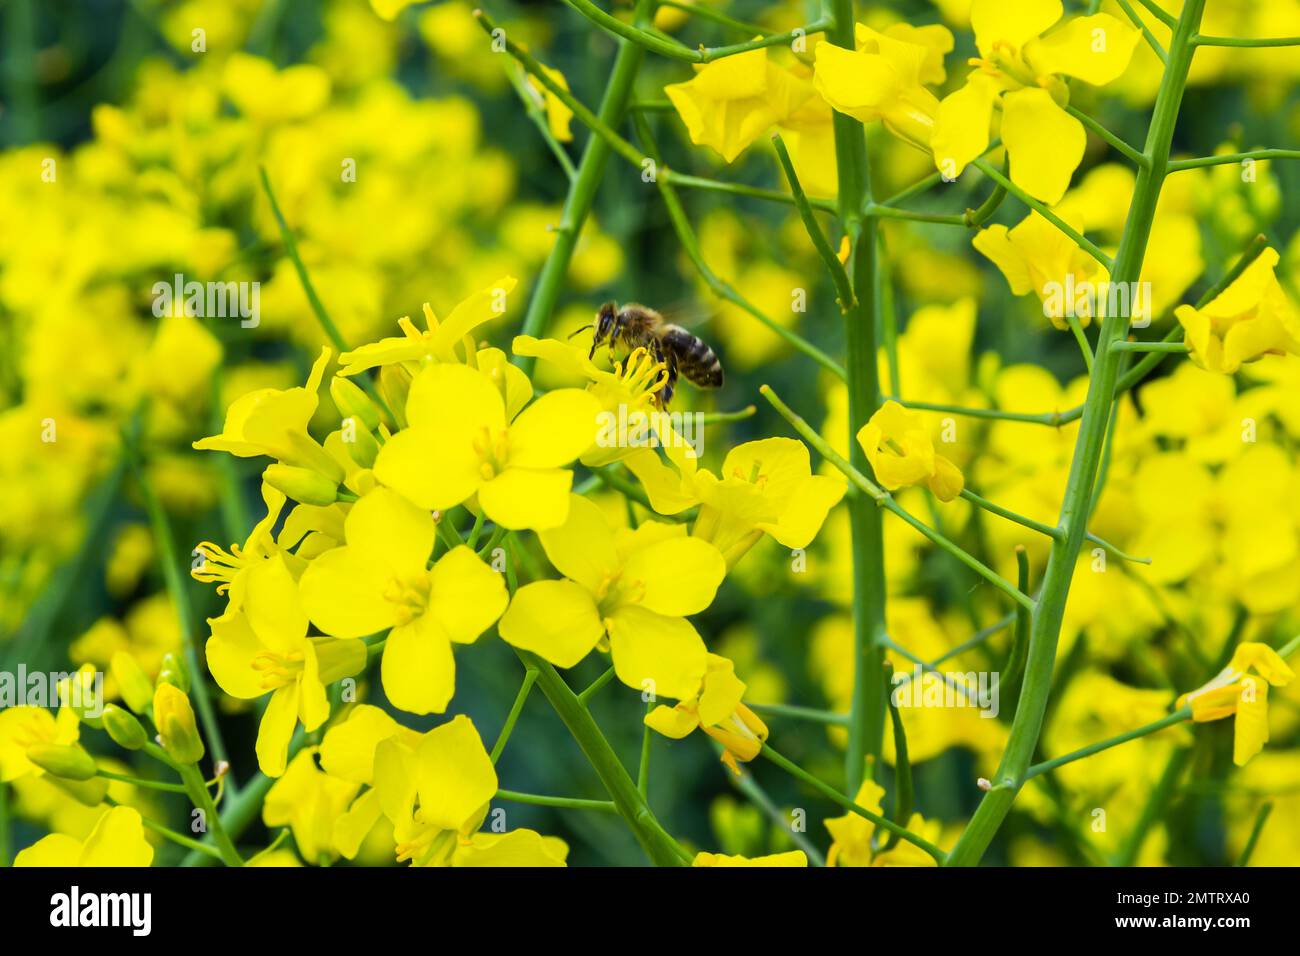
123, 728
301, 484
361, 445
352, 402
68, 761
136, 687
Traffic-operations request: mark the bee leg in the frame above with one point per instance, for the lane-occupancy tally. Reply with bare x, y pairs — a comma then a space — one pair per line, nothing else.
671, 385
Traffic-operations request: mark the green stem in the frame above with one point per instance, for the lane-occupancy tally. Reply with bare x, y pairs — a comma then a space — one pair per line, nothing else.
1146, 31
179, 839
747, 785
658, 845
177, 589
1173, 348
6, 827
833, 265
666, 46
1226, 159
591, 170
202, 799
1129, 152
862, 367
1177, 717
643, 765
1246, 41
568, 803
1042, 209
801, 713
1261, 818
1154, 806
835, 796
1076, 506
530, 678
585, 696
140, 781
721, 287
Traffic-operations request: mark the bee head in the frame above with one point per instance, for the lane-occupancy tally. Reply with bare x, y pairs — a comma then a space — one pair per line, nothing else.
606, 319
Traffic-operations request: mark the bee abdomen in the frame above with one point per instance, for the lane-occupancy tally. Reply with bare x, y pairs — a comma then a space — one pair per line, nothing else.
696, 361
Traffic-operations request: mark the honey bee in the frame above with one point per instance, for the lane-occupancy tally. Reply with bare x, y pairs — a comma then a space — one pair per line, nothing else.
636, 326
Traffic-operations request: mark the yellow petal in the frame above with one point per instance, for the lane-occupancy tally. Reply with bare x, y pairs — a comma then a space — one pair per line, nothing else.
1045, 143
57, 849
680, 575
554, 430
351, 829
806, 510
947, 481
278, 723
348, 750
583, 547
518, 848
443, 392
117, 840
1011, 21
454, 776
230, 652
862, 85
391, 531
961, 124
675, 722
466, 595
272, 605
418, 669
534, 498
343, 593
1096, 49
1250, 729
656, 653
1264, 661
436, 466
557, 620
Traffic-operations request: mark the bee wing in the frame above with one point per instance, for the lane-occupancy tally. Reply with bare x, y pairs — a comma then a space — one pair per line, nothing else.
687, 313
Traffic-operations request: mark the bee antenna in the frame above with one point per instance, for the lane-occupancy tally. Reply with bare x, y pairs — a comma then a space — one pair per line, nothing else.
589, 325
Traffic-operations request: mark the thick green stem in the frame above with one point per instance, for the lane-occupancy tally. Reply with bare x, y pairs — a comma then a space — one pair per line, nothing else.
631, 805
202, 799
1076, 506
582, 190
866, 524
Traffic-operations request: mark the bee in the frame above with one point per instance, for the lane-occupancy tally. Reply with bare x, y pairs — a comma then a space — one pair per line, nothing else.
636, 326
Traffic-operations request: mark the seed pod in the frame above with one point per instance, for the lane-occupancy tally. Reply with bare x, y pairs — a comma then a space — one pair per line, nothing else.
123, 728
302, 484
136, 687
352, 402
68, 761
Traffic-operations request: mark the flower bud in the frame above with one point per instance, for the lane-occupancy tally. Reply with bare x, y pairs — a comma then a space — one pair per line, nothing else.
301, 484
123, 728
135, 686
352, 402
361, 446
174, 718
68, 761
395, 385
175, 665
83, 694
89, 793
